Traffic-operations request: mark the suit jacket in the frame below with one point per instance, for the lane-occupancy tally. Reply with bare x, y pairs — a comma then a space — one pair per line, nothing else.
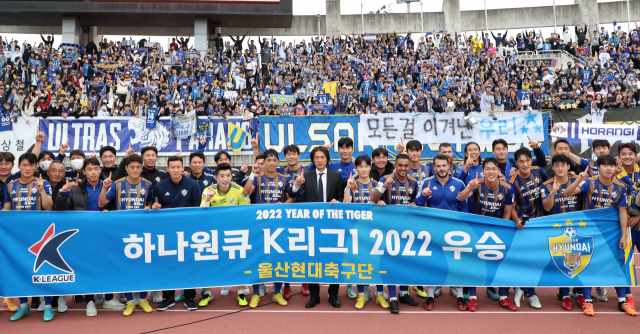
310, 187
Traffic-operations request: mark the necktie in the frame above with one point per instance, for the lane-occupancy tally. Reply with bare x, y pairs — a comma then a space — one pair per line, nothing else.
320, 189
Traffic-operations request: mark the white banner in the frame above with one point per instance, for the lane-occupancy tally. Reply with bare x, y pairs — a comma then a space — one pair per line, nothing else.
614, 132
18, 140
183, 126
514, 127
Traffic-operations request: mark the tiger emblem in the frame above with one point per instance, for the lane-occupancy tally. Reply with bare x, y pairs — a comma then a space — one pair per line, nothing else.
572, 260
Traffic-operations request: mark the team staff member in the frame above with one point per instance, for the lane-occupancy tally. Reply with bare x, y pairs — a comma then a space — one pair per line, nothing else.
177, 191
271, 187
441, 191
603, 191
27, 194
196, 163
225, 193
471, 165
446, 149
397, 189
555, 201
320, 185
359, 191
345, 166
491, 197
85, 197
129, 193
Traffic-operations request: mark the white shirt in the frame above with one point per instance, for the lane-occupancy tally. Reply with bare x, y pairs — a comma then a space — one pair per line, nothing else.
322, 174
597, 115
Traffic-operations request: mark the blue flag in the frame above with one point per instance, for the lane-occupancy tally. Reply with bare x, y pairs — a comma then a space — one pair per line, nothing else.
203, 133
5, 122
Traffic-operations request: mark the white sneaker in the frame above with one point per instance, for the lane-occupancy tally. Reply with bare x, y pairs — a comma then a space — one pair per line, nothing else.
263, 290
224, 291
438, 291
535, 302
518, 295
41, 307
602, 294
136, 298
157, 298
100, 299
454, 292
246, 291
91, 309
113, 304
62, 304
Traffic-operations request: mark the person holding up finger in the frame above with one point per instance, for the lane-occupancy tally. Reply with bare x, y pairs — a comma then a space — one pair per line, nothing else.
604, 191
555, 201
128, 193
398, 188
442, 191
526, 184
358, 190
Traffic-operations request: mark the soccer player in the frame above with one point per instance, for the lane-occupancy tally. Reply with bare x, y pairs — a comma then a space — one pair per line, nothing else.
149, 171
271, 187
27, 194
6, 165
603, 191
85, 196
108, 159
491, 197
397, 189
129, 193
293, 170
359, 191
471, 165
177, 191
345, 166
526, 184
562, 147
224, 193
599, 147
441, 191
417, 171
381, 166
555, 201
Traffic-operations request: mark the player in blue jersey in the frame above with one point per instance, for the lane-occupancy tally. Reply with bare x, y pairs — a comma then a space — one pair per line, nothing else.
604, 191
359, 190
397, 189
417, 171
345, 166
526, 185
198, 173
599, 147
129, 193
271, 187
441, 191
555, 201
29, 194
471, 164
491, 197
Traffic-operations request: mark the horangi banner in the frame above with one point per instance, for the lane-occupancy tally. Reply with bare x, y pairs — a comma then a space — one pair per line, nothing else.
305, 243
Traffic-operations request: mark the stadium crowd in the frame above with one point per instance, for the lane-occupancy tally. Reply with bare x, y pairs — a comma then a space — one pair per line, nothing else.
390, 73
386, 73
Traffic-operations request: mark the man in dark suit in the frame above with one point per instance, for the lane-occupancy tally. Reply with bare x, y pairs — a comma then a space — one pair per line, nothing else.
320, 185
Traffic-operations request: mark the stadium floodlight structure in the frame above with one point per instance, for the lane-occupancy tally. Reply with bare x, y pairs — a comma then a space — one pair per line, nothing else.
408, 2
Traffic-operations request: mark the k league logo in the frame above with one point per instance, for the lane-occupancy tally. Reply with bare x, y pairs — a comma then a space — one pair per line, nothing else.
48, 250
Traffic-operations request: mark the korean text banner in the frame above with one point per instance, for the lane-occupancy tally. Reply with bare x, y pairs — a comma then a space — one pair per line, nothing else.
582, 144
305, 243
386, 129
309, 132
19, 139
119, 132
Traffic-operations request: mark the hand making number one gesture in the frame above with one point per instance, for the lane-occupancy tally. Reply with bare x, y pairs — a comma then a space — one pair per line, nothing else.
426, 192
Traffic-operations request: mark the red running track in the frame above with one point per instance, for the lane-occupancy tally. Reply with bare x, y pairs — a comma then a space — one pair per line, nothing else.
294, 318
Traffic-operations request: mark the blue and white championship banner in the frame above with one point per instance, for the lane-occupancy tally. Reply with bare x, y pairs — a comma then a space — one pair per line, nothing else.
306, 243
86, 134
386, 130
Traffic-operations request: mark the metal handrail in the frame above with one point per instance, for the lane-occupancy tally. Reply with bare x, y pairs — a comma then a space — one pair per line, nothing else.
562, 52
